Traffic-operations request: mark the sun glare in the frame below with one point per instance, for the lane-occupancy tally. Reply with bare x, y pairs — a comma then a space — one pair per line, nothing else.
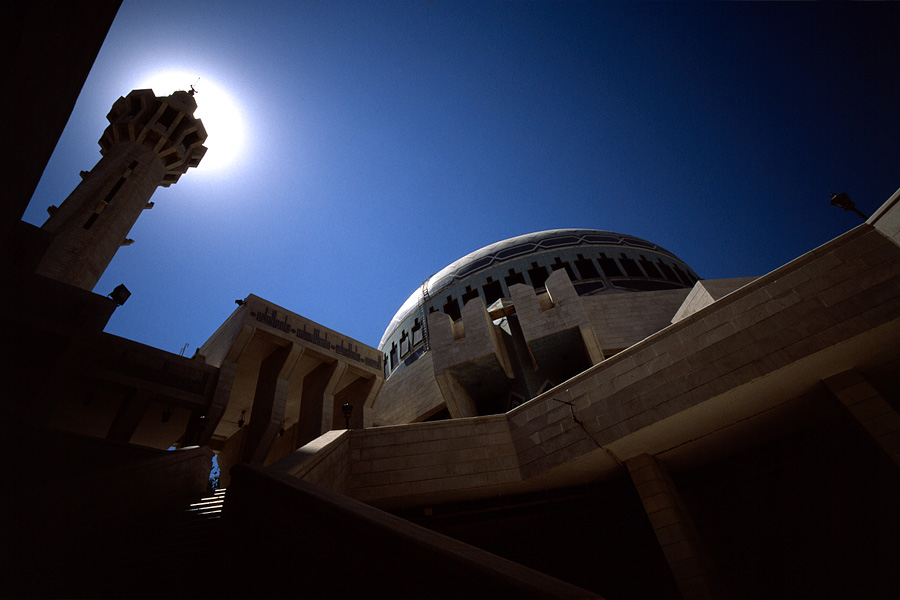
215, 107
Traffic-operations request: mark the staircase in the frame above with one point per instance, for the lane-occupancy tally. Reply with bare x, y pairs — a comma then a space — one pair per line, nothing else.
179, 553
194, 534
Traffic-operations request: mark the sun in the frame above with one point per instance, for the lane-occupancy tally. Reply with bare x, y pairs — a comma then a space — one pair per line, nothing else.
217, 109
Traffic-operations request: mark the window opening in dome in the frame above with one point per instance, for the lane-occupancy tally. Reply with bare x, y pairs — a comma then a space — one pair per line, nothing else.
589, 287
586, 268
394, 360
417, 336
609, 266
493, 291
513, 278
682, 275
561, 264
650, 268
630, 266
667, 271
469, 294
451, 307
538, 275
404, 345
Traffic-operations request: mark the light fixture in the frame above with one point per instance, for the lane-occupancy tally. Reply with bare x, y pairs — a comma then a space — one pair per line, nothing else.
241, 420
347, 409
843, 200
120, 295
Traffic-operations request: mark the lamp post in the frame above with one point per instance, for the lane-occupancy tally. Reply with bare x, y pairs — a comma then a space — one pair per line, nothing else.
843, 200
347, 409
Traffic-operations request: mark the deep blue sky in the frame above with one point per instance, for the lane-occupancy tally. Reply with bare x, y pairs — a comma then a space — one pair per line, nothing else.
387, 139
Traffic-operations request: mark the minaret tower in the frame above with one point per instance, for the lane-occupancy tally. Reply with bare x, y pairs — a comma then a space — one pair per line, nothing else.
150, 142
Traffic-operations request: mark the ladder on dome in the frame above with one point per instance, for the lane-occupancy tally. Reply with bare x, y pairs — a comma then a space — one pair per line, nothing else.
423, 318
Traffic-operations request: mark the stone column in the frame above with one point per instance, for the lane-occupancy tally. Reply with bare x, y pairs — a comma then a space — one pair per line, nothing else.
131, 411
675, 530
219, 402
869, 408
317, 402
269, 401
356, 394
459, 403
370, 401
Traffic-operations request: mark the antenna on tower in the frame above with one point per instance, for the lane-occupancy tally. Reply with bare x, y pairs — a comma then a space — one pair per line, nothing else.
193, 90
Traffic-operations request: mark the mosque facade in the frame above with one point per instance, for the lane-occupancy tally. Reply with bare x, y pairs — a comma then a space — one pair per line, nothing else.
568, 413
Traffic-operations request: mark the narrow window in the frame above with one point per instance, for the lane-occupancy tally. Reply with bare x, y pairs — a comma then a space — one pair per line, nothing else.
109, 196
586, 268
631, 268
682, 275
492, 291
538, 275
469, 294
513, 278
561, 264
451, 307
667, 271
417, 336
650, 268
609, 266
404, 345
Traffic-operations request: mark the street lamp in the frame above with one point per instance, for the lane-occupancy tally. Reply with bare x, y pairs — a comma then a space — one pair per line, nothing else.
347, 409
843, 200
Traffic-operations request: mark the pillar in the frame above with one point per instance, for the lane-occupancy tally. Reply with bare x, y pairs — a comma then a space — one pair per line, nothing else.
869, 408
459, 403
674, 528
267, 415
356, 394
317, 402
129, 416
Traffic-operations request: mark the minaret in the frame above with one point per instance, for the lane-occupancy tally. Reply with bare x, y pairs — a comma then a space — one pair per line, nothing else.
150, 142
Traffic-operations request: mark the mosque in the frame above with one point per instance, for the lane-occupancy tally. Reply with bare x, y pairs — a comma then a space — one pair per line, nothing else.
569, 413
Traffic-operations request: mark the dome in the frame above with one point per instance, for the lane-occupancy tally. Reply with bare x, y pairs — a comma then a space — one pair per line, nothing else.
596, 261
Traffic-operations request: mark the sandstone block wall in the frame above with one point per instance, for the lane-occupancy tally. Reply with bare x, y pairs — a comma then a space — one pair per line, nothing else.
409, 395
621, 320
426, 459
705, 292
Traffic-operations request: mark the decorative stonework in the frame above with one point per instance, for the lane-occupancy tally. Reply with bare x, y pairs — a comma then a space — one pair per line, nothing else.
164, 124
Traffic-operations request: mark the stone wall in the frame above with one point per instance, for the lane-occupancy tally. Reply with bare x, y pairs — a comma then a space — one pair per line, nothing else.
427, 459
408, 395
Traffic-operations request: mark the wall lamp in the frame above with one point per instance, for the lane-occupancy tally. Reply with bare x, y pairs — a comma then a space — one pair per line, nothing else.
120, 295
